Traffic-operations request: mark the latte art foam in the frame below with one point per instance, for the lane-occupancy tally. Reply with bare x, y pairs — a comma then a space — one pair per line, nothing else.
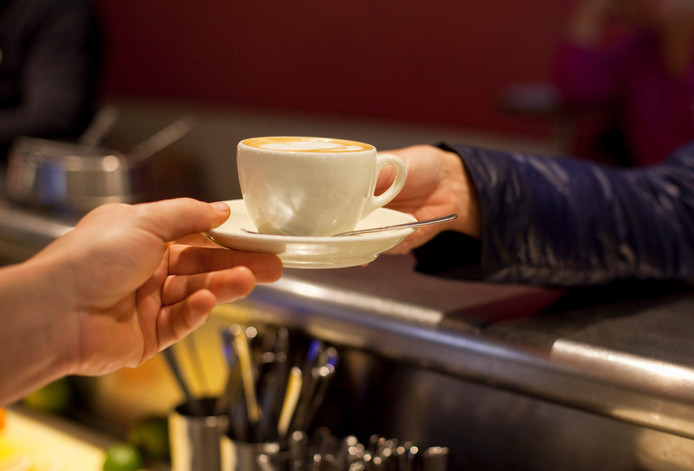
302, 144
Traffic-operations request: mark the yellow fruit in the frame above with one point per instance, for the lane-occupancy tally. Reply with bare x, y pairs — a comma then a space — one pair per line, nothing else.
123, 457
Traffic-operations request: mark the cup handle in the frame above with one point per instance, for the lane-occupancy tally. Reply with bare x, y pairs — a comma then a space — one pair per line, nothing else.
374, 202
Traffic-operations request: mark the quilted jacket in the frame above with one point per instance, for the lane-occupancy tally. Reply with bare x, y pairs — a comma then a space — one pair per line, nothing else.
568, 222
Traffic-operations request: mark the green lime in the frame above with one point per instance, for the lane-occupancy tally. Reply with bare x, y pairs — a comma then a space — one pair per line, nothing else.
54, 398
123, 457
151, 436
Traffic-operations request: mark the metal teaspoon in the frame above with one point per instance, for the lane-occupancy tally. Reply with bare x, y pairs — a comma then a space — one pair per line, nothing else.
425, 222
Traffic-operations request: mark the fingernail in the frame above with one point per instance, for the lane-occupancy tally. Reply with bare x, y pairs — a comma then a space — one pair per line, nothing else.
220, 206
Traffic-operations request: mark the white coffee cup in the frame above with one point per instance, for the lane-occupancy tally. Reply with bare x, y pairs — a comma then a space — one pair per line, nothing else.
311, 186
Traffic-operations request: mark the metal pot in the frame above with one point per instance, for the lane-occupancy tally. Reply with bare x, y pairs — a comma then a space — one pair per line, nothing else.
66, 176
59, 175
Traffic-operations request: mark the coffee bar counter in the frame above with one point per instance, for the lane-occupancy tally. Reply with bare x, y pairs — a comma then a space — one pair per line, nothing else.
506, 376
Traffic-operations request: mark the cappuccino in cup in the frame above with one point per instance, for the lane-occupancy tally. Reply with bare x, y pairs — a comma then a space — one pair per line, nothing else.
312, 186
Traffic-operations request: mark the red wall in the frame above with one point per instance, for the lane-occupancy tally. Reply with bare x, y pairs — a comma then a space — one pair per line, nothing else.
440, 61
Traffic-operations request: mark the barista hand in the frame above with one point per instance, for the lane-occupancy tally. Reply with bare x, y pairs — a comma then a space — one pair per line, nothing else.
437, 184
116, 290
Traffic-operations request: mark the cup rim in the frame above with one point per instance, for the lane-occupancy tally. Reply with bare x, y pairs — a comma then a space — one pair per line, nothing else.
369, 147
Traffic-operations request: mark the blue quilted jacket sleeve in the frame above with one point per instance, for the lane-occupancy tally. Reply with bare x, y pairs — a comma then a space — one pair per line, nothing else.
567, 222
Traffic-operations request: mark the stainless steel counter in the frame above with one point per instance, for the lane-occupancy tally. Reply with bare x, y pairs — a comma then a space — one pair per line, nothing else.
513, 374
618, 356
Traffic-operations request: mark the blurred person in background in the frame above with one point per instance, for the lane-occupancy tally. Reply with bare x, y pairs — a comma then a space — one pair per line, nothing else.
626, 73
50, 58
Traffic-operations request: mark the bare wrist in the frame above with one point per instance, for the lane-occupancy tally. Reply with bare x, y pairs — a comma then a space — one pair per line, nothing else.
31, 314
466, 198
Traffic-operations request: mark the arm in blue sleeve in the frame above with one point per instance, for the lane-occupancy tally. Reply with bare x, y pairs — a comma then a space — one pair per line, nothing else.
569, 222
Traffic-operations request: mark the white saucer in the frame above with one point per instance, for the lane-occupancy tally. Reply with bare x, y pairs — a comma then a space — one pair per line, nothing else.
313, 252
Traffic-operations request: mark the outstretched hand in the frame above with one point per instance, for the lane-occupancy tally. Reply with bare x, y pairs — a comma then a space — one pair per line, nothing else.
437, 184
119, 287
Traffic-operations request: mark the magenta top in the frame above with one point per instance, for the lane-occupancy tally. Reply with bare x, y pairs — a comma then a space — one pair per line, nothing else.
653, 109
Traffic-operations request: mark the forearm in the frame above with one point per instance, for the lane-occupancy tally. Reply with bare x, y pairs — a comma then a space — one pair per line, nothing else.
32, 350
568, 222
